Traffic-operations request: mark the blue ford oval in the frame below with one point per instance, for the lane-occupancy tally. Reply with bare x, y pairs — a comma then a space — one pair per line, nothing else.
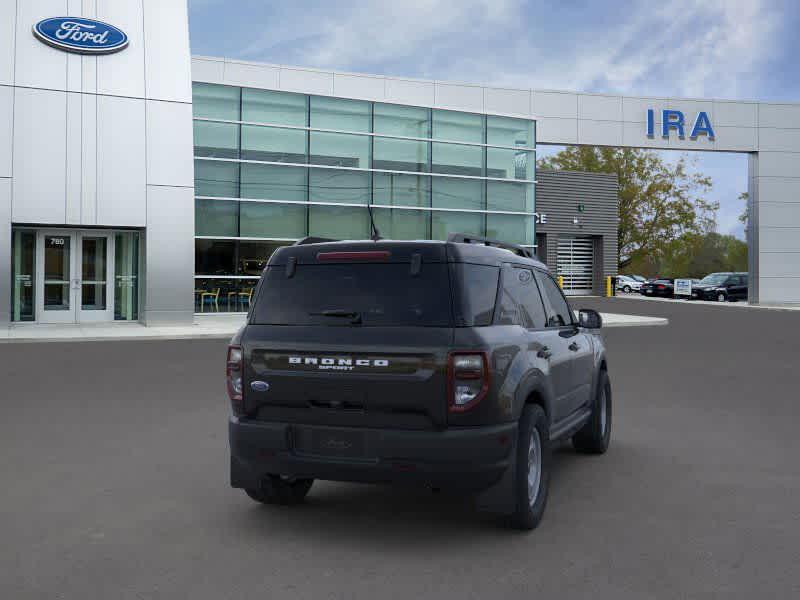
84, 36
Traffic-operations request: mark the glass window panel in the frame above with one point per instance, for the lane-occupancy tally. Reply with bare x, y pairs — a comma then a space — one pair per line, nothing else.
507, 131
445, 223
516, 229
216, 178
214, 257
56, 272
281, 108
337, 113
507, 195
457, 126
273, 144
23, 259
457, 159
260, 219
339, 150
273, 182
216, 217
407, 121
509, 164
126, 276
220, 140
215, 101
400, 155
338, 222
216, 295
253, 257
338, 185
452, 192
400, 224
401, 190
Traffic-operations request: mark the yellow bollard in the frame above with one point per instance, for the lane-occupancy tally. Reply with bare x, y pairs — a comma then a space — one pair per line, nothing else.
561, 281
608, 287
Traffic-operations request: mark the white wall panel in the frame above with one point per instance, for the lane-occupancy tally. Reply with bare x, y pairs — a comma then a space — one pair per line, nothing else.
249, 75
599, 108
169, 144
6, 128
307, 81
507, 102
39, 156
121, 169
5, 249
779, 264
779, 115
601, 133
735, 114
408, 91
89, 159
781, 140
74, 158
738, 139
779, 164
166, 37
122, 73
169, 255
556, 131
37, 64
779, 214
208, 70
779, 189
555, 104
634, 109
358, 86
8, 23
779, 239
779, 290
464, 97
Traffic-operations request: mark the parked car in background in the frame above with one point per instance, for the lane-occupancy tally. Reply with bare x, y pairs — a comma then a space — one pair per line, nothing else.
722, 287
662, 288
639, 278
627, 284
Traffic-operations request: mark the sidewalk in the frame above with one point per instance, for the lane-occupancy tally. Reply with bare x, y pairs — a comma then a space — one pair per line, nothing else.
208, 327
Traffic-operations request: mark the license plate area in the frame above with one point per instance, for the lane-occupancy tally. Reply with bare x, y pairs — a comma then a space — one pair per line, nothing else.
330, 442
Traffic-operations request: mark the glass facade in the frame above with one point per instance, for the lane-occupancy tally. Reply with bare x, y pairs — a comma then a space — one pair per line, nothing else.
272, 167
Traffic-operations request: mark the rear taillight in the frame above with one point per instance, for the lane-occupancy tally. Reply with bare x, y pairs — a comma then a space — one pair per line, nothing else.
233, 377
467, 380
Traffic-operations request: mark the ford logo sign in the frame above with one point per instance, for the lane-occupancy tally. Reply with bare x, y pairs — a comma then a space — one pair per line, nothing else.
84, 36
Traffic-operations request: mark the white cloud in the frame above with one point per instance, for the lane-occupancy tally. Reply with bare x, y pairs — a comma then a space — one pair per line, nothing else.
686, 47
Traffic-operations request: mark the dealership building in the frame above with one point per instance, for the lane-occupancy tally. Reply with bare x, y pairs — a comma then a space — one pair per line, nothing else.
139, 183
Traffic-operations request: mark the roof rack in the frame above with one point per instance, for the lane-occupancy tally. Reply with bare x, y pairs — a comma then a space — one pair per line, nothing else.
313, 240
466, 238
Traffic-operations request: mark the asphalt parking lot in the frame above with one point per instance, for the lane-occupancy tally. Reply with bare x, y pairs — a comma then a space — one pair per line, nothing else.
114, 470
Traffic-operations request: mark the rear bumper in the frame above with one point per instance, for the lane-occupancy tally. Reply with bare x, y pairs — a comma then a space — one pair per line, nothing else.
469, 458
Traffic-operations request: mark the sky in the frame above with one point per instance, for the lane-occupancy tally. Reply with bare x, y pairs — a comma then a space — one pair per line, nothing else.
732, 49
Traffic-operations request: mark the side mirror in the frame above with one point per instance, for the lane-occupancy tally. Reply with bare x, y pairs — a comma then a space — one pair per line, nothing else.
590, 319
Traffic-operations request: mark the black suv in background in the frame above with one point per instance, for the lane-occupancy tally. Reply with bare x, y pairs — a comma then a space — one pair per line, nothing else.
451, 364
662, 288
721, 287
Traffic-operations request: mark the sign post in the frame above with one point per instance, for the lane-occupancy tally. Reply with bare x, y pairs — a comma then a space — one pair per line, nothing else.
683, 287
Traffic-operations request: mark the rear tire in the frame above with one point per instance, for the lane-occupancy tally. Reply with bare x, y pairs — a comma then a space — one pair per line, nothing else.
532, 479
594, 437
278, 490
627, 289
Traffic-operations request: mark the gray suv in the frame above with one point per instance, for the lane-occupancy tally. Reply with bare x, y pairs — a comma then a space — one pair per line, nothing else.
454, 365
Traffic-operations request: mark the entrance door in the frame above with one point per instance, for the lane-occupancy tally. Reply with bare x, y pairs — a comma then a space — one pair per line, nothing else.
576, 264
73, 272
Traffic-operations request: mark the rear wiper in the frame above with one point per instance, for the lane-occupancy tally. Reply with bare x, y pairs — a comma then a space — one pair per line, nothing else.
355, 317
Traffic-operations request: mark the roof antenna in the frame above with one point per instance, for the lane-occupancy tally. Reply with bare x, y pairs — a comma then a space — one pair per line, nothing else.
374, 234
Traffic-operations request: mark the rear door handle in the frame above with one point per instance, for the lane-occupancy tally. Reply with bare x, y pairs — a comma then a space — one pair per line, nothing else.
574, 347
544, 352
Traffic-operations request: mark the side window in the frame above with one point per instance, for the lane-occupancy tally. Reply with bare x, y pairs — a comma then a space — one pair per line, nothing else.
477, 290
559, 313
520, 302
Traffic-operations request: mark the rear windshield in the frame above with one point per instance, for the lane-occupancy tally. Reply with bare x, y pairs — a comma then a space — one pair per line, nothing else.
357, 295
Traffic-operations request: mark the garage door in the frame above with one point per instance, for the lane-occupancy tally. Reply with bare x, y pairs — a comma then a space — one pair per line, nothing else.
576, 264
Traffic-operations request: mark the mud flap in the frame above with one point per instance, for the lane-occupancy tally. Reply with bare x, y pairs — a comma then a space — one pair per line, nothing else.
500, 498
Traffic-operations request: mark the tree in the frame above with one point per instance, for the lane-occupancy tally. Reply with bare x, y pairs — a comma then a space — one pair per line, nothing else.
659, 202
